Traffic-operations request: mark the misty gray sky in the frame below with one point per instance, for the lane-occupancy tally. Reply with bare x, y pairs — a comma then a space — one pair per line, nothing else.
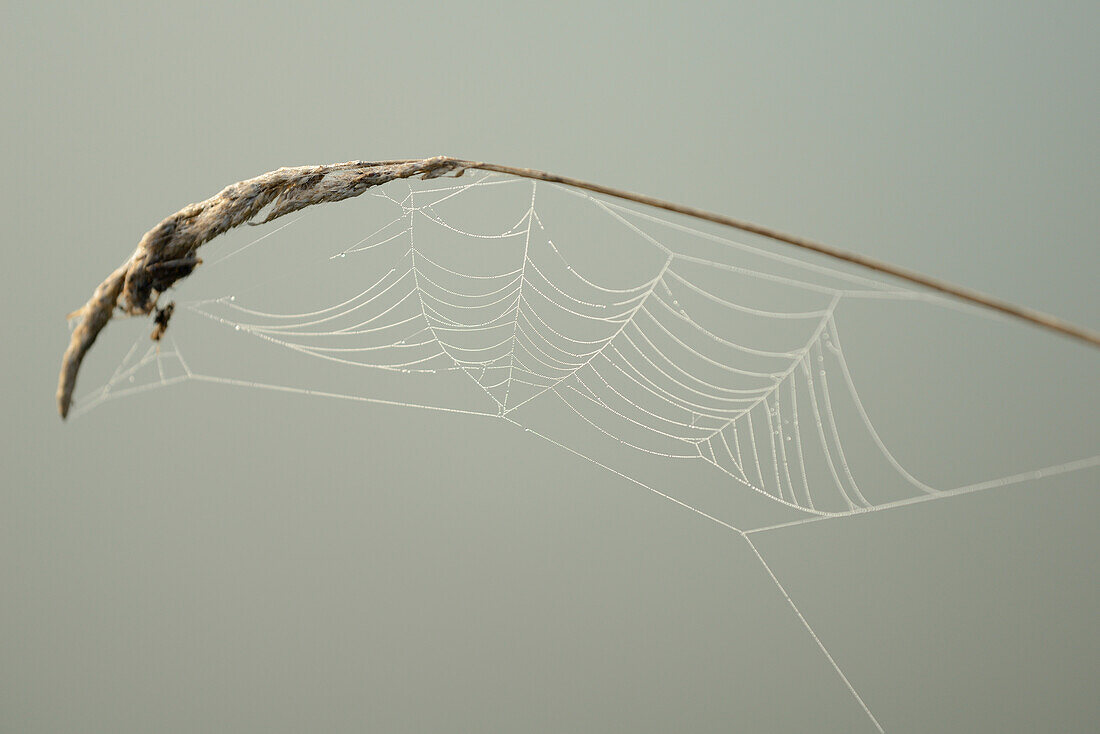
209, 558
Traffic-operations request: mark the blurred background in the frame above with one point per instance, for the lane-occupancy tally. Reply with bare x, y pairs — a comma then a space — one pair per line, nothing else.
218, 559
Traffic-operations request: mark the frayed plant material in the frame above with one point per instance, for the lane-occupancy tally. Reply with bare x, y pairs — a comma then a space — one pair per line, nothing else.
166, 254
161, 321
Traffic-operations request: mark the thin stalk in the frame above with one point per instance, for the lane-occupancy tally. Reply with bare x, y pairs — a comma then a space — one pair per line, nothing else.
166, 253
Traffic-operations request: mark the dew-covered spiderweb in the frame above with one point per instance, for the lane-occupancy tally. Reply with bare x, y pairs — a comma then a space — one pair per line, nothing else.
751, 384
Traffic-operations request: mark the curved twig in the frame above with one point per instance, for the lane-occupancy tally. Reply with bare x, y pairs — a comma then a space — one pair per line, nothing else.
166, 253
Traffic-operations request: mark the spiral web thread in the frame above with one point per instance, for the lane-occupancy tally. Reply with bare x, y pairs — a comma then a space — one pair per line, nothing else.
645, 367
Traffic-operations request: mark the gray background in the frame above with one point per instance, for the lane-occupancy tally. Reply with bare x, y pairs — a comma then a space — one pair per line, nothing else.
206, 559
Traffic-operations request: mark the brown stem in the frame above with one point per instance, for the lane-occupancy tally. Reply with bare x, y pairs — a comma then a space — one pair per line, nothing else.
166, 253
1036, 318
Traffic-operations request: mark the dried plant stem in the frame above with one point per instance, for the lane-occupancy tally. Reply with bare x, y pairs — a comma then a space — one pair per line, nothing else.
1036, 318
167, 252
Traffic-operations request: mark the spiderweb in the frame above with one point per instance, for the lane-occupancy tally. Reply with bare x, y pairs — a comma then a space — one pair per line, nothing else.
710, 371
